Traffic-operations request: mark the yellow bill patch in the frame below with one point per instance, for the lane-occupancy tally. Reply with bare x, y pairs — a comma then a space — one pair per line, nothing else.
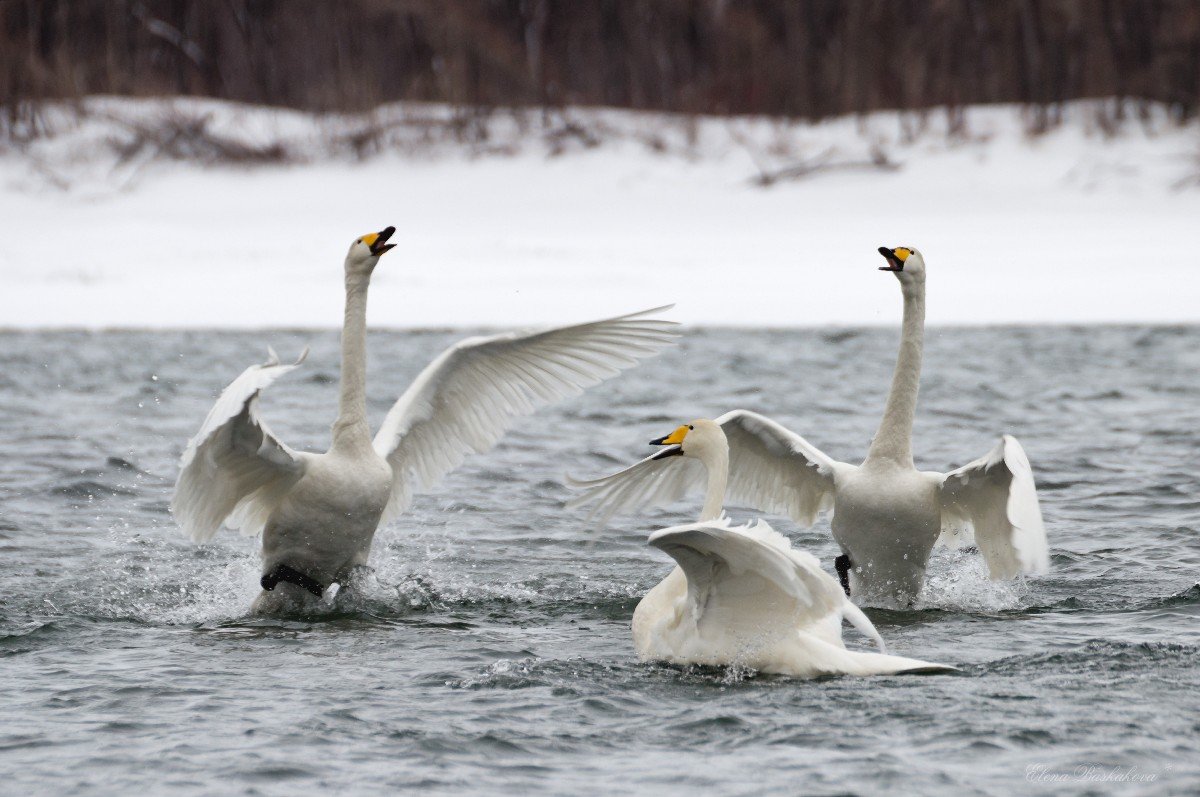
370, 238
676, 437
901, 253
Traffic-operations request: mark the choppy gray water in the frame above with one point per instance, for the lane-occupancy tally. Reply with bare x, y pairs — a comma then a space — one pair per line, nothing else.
493, 653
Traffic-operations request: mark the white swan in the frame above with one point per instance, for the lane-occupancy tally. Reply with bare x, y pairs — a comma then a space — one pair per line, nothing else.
742, 594
887, 514
318, 512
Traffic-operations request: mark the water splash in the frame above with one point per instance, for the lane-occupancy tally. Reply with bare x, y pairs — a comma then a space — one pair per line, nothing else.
958, 581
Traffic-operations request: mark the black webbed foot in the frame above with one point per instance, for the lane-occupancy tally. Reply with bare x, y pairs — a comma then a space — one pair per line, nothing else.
282, 572
842, 566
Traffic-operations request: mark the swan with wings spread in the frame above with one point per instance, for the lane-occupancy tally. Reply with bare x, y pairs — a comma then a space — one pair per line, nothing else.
742, 594
887, 515
318, 512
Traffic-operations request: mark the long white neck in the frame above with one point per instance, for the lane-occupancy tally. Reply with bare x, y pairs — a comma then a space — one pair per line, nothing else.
716, 462
893, 440
351, 427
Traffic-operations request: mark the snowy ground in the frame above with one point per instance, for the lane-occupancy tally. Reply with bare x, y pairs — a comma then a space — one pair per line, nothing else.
1071, 226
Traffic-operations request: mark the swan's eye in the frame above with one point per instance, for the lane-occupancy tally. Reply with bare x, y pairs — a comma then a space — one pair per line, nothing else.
691, 428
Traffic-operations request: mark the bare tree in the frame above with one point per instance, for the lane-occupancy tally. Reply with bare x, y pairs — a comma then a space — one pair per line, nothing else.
794, 58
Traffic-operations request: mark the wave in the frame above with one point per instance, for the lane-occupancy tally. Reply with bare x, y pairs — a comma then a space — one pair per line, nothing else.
90, 490
1098, 654
1187, 597
33, 636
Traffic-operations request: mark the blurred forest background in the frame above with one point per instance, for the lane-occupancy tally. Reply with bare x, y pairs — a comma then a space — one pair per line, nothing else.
803, 59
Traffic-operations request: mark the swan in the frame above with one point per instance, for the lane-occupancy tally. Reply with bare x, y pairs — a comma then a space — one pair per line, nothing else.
887, 515
742, 594
318, 513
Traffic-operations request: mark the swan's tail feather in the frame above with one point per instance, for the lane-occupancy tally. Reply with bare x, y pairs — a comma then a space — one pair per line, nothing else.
886, 664
864, 625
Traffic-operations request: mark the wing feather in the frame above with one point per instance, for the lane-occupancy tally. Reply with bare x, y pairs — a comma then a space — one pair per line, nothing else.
776, 470
770, 469
748, 578
655, 481
235, 471
996, 495
466, 398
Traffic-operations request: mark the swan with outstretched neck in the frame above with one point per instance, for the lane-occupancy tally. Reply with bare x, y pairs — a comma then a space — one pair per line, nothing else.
318, 513
887, 515
741, 595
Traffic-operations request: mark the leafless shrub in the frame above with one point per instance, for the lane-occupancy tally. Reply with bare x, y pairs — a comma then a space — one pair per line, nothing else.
570, 134
956, 123
21, 122
877, 160
365, 141
185, 137
469, 125
1191, 179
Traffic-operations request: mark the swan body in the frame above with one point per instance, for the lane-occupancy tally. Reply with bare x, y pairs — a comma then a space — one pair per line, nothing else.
888, 520
887, 515
323, 527
318, 513
742, 595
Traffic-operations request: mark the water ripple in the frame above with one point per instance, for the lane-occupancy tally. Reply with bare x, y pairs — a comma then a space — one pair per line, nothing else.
490, 652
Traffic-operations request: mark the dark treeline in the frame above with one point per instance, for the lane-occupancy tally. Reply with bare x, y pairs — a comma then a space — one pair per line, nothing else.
798, 58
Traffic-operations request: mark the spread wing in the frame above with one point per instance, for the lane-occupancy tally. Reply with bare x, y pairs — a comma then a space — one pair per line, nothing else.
996, 495
770, 469
747, 579
235, 470
657, 480
775, 470
465, 399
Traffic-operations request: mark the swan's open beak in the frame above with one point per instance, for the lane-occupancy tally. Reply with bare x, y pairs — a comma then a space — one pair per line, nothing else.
380, 245
669, 451
895, 261
673, 441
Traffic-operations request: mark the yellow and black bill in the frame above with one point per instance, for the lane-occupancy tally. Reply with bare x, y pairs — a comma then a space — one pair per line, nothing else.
673, 441
895, 257
377, 241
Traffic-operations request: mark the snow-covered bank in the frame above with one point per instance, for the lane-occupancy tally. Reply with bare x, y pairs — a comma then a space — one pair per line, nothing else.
522, 222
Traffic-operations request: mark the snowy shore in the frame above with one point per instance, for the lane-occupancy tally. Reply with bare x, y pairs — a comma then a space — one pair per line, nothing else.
529, 220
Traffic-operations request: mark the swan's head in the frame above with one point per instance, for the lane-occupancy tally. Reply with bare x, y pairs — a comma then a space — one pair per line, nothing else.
695, 439
367, 249
905, 262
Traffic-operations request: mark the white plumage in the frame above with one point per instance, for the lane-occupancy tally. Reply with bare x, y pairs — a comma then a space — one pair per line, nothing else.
770, 469
318, 512
233, 467
887, 516
996, 498
466, 398
741, 594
